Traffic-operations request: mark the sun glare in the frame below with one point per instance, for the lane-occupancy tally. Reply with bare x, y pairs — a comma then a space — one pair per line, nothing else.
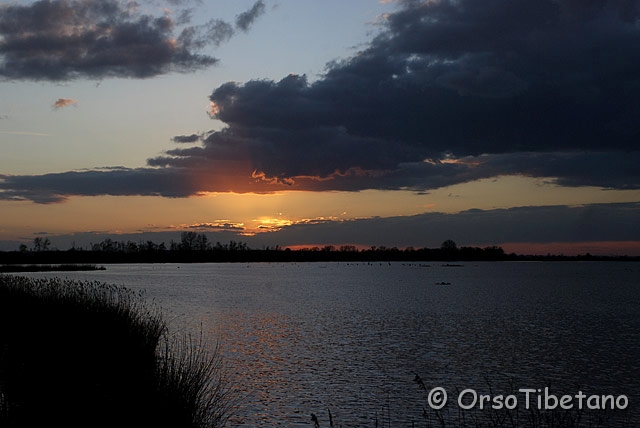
270, 224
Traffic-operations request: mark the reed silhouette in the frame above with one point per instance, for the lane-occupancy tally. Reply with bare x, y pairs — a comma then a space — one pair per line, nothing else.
79, 354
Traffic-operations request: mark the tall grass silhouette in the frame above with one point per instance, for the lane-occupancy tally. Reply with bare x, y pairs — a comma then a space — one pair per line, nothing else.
90, 354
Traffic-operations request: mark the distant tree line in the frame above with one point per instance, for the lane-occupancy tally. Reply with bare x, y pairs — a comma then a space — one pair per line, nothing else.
197, 248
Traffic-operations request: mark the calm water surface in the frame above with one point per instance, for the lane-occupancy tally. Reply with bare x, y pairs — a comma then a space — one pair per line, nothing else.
350, 338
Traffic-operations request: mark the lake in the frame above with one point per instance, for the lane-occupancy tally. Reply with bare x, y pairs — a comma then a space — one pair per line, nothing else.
346, 340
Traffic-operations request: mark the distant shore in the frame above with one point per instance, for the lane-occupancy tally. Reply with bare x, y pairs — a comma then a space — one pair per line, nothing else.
76, 260
13, 268
197, 248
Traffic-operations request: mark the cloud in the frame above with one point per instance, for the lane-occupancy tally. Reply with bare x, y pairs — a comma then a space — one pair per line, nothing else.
26, 133
246, 19
545, 224
193, 138
445, 80
219, 225
576, 227
64, 102
182, 2
57, 187
67, 39
168, 181
228, 167
448, 92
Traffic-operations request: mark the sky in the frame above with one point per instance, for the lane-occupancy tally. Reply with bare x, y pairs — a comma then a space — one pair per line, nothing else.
305, 123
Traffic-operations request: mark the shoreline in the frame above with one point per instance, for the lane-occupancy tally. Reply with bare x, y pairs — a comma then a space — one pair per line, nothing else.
27, 268
71, 260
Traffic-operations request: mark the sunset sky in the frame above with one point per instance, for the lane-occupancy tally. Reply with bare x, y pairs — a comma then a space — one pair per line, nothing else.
300, 122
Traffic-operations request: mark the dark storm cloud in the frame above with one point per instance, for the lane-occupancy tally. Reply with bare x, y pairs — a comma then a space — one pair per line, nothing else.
57, 187
68, 39
462, 78
325, 150
608, 169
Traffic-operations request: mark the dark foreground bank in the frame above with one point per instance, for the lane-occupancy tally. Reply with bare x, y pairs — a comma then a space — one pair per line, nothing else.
80, 354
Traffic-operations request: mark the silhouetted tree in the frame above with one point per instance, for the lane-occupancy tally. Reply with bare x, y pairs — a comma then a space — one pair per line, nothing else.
494, 253
188, 241
41, 244
202, 242
149, 246
108, 246
131, 247
449, 245
449, 250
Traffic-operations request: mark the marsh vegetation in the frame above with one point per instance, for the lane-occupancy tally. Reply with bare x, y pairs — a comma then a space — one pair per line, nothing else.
79, 354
